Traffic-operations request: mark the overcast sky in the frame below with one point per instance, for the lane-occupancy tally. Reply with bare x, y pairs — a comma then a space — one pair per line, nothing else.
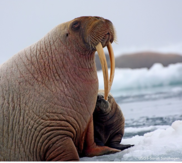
138, 23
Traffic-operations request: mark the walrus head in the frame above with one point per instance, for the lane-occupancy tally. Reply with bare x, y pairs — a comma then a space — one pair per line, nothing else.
91, 34
102, 106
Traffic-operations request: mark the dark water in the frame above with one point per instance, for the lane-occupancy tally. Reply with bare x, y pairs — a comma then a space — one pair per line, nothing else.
157, 108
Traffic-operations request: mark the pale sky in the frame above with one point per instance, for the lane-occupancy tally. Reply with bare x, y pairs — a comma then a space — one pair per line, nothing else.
138, 23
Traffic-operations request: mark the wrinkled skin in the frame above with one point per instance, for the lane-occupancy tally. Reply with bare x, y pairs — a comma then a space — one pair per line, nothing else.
48, 93
108, 123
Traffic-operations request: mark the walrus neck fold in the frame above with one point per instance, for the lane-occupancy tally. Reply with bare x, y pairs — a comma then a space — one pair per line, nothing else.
103, 112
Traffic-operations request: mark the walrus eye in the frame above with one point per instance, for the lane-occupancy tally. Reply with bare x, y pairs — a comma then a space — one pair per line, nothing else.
76, 25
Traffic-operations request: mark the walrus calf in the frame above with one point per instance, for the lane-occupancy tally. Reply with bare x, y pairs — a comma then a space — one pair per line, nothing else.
108, 123
48, 93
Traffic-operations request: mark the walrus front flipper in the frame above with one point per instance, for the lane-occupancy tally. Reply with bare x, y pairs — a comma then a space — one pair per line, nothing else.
120, 146
62, 150
91, 148
100, 150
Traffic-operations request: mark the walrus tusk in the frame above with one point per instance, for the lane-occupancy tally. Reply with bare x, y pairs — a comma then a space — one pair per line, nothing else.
112, 65
104, 69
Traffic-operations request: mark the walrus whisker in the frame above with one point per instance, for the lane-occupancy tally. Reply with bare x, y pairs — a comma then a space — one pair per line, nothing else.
98, 37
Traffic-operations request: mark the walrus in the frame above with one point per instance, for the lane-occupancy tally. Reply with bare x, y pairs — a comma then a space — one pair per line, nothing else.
48, 93
109, 123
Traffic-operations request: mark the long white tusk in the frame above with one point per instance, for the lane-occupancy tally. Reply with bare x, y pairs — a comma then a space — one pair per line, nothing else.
112, 65
104, 69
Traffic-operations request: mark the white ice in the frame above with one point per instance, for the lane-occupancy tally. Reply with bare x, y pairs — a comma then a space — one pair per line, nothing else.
142, 79
159, 145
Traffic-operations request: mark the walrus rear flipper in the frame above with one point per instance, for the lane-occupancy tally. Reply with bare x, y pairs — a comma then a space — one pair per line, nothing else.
120, 146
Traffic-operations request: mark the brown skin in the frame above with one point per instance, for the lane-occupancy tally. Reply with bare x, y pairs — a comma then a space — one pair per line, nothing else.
108, 123
48, 93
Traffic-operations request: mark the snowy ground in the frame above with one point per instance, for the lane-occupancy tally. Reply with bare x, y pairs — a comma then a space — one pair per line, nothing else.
153, 137
158, 145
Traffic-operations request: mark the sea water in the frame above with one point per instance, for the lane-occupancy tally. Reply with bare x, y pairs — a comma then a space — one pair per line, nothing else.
151, 101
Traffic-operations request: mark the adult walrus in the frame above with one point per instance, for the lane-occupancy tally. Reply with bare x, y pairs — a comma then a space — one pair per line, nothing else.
109, 123
48, 93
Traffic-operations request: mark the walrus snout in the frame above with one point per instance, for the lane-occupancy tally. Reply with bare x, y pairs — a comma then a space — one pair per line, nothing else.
108, 35
106, 39
102, 105
101, 30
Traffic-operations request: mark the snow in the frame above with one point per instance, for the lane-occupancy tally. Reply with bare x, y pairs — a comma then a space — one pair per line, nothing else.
141, 129
163, 144
160, 142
